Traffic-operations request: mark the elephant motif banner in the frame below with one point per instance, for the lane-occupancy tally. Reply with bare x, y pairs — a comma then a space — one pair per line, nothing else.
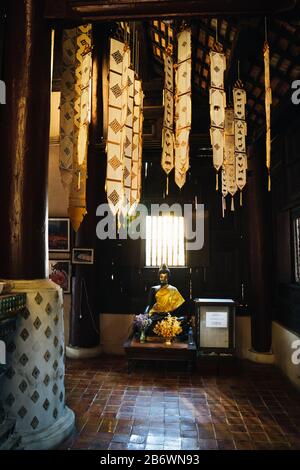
228, 171
240, 134
167, 160
217, 102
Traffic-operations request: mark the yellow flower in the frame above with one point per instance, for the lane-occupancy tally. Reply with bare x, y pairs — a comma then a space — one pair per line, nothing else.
168, 328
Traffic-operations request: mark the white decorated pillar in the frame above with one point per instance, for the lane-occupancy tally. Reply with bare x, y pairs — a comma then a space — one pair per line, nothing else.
33, 391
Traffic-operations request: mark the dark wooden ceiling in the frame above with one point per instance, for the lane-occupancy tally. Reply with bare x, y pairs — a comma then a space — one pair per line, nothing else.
242, 40
105, 10
239, 26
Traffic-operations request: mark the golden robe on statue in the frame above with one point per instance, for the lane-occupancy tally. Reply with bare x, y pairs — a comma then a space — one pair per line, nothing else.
168, 299
164, 299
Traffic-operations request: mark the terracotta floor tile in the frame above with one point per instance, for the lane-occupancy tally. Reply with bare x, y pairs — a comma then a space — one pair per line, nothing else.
158, 440
244, 445
259, 437
237, 428
226, 444
117, 446
207, 444
172, 441
189, 444
167, 408
263, 446
121, 438
138, 439
133, 446
154, 447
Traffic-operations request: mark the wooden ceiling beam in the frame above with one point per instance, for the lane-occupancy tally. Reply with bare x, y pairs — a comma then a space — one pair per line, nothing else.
91, 10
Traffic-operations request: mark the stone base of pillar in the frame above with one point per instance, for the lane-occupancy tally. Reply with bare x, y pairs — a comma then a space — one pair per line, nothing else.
33, 390
51, 437
262, 358
72, 352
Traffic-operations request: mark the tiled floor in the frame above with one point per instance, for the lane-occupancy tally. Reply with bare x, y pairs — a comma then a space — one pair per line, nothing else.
157, 408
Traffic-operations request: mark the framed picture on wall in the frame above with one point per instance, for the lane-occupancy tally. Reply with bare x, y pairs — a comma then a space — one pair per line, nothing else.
60, 272
59, 234
83, 256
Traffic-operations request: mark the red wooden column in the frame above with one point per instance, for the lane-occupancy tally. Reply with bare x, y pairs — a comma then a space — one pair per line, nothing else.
24, 137
259, 247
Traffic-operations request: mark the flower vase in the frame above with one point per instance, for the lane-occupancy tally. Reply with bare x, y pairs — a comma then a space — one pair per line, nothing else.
142, 336
168, 342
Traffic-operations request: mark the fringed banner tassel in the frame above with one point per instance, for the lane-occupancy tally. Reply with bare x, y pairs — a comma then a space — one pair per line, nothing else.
223, 206
269, 181
232, 203
167, 186
241, 199
217, 181
119, 225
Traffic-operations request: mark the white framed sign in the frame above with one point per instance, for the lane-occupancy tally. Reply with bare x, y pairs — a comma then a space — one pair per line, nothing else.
216, 319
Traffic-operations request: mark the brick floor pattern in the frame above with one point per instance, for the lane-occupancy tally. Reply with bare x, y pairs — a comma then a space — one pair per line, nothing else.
166, 408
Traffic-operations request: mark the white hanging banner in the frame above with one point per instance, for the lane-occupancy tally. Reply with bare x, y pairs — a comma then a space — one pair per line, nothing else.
74, 117
118, 101
228, 171
217, 69
240, 134
217, 101
167, 159
67, 106
183, 106
217, 143
137, 146
128, 144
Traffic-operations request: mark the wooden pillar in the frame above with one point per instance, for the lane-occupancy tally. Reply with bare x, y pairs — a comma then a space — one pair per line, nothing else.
84, 321
24, 140
259, 250
24, 137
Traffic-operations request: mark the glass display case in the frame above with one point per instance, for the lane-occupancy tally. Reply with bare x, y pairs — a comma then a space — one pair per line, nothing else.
215, 325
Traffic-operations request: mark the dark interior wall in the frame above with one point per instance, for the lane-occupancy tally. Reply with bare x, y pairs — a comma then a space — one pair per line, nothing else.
215, 271
2, 31
285, 202
220, 268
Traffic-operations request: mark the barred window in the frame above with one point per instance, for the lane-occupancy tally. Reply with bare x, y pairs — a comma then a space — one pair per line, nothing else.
165, 240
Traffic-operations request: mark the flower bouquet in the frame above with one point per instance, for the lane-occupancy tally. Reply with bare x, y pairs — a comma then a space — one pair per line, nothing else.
140, 324
168, 328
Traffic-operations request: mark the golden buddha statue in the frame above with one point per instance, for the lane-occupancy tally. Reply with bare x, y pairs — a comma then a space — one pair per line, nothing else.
163, 299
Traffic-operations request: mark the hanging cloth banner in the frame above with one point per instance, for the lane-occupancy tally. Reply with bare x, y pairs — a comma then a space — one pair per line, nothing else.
141, 124
67, 106
228, 171
167, 159
183, 106
137, 146
240, 133
217, 101
118, 100
268, 102
128, 144
75, 113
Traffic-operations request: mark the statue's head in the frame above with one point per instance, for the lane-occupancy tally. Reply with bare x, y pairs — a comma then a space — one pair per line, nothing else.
164, 275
